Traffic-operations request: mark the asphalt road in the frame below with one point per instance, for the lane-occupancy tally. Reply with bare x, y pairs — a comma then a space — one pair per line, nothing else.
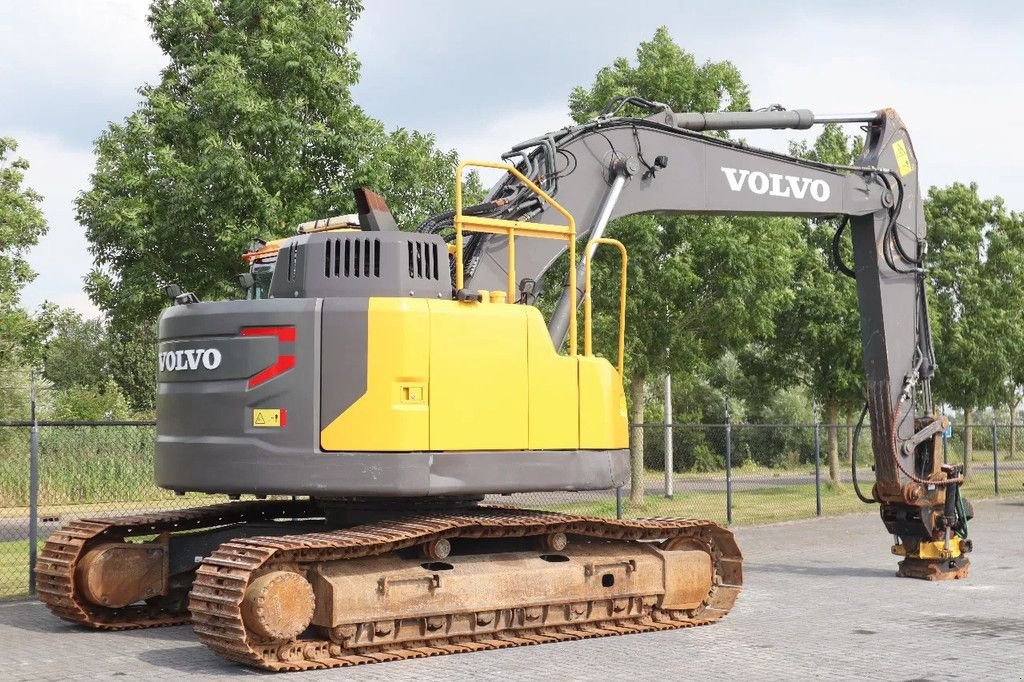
821, 601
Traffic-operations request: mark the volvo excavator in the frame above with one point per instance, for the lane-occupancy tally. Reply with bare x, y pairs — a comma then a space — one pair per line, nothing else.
375, 384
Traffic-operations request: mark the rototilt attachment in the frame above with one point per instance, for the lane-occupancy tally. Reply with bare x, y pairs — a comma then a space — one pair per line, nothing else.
932, 538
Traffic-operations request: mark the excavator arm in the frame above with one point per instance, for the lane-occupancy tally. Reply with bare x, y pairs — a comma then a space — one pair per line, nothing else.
666, 164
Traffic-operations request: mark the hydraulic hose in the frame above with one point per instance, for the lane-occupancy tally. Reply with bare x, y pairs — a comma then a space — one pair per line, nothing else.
853, 459
961, 511
837, 254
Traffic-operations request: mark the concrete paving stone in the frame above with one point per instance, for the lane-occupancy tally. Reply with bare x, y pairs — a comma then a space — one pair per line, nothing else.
820, 602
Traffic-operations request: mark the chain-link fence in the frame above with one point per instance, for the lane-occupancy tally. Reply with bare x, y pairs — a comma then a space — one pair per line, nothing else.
732, 473
59, 471
761, 473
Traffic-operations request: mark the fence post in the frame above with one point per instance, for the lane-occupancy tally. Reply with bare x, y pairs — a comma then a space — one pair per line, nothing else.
995, 457
618, 502
817, 466
33, 490
669, 468
728, 464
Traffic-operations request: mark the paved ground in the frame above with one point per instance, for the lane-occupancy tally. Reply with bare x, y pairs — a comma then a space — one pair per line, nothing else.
820, 602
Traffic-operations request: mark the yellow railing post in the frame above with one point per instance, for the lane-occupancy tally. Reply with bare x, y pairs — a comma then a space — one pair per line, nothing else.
457, 222
587, 342
511, 229
511, 284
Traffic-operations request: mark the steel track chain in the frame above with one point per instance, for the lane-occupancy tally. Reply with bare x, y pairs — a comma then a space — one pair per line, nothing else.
55, 568
221, 580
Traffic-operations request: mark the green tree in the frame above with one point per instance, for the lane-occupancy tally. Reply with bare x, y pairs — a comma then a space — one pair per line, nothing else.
77, 353
21, 226
1005, 264
91, 403
976, 311
697, 285
133, 363
74, 367
250, 130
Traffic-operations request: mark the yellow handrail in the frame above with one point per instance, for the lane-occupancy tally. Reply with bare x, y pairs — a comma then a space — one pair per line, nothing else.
587, 342
513, 228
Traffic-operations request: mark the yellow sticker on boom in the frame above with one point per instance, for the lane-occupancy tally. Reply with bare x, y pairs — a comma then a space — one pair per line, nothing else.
899, 148
265, 417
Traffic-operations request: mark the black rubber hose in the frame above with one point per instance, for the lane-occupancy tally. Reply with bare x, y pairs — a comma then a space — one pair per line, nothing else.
896, 211
853, 459
445, 219
837, 256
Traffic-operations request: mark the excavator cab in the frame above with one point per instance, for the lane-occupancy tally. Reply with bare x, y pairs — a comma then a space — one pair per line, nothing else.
262, 256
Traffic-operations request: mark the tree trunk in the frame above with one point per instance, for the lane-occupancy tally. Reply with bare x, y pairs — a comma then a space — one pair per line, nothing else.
832, 427
850, 454
968, 440
636, 441
1013, 430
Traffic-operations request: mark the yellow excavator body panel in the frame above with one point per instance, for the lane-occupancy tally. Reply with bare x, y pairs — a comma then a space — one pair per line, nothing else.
603, 422
393, 414
519, 395
479, 377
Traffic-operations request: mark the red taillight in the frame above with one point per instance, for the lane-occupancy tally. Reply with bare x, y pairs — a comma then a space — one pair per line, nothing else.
284, 362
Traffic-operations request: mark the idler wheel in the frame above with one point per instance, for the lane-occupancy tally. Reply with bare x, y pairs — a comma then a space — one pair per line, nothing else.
436, 549
278, 605
554, 542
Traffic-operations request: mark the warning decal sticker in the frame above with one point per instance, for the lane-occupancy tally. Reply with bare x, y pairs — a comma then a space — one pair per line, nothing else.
269, 418
899, 148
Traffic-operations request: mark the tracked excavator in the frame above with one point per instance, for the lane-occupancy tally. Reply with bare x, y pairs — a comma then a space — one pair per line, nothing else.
383, 382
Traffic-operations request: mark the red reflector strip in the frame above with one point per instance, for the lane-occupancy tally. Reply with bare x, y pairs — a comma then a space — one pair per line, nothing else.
283, 334
284, 417
283, 364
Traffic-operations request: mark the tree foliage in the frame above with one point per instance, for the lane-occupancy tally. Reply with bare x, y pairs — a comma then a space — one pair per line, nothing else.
967, 255
975, 250
817, 342
664, 72
250, 130
77, 353
132, 358
699, 285
1004, 260
21, 226
90, 404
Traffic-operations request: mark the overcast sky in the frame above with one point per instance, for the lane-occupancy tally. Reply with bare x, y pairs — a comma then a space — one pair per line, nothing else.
482, 76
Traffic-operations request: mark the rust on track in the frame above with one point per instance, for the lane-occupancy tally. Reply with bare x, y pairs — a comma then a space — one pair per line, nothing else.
217, 596
216, 604
56, 584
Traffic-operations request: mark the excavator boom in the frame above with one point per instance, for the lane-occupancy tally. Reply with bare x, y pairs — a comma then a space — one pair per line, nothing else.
613, 167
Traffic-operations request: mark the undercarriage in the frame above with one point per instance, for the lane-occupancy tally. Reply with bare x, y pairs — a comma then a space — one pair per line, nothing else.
295, 585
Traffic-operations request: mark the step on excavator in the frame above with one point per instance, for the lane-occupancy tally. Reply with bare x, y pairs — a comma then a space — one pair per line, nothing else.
383, 382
